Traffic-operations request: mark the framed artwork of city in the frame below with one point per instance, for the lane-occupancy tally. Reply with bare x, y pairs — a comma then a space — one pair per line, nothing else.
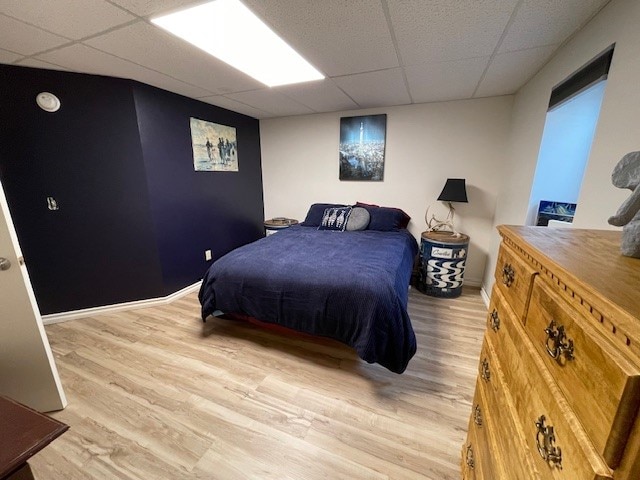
362, 145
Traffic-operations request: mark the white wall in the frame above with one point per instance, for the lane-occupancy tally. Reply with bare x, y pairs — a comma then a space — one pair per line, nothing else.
617, 132
425, 145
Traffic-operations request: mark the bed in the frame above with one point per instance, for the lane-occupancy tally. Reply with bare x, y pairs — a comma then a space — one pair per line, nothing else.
351, 286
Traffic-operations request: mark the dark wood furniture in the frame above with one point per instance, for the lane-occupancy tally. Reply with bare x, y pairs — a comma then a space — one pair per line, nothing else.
23, 433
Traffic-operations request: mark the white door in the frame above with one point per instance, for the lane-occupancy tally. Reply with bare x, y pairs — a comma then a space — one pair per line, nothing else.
28, 372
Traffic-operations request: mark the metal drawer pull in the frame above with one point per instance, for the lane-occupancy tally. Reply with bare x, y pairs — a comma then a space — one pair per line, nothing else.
494, 320
477, 416
469, 459
508, 274
545, 437
558, 344
484, 370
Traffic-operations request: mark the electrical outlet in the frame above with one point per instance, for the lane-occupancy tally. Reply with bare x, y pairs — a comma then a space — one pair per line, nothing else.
207, 255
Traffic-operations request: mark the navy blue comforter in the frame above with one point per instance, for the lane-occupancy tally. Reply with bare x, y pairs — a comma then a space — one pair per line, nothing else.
349, 286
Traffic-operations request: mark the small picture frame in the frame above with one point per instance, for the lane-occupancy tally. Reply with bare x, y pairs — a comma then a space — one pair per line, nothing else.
561, 211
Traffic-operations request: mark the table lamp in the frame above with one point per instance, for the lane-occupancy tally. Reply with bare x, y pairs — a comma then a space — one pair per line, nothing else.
454, 191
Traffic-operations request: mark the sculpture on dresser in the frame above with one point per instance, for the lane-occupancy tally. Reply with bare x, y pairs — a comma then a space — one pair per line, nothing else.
626, 174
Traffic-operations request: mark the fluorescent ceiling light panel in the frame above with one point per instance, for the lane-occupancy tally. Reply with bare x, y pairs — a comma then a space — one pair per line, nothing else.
230, 31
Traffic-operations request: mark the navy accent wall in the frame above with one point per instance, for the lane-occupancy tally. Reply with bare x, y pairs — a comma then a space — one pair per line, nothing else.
99, 247
134, 221
196, 211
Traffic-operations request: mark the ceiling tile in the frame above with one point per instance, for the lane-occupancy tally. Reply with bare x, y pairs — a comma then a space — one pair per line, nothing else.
548, 22
443, 45
8, 57
65, 17
321, 96
445, 30
151, 47
22, 38
510, 71
445, 80
229, 104
336, 36
80, 58
375, 89
145, 8
33, 62
272, 102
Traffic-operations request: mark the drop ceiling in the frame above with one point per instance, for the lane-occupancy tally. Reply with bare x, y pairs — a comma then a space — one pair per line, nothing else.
374, 53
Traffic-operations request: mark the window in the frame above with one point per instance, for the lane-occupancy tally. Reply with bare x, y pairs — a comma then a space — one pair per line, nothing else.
568, 133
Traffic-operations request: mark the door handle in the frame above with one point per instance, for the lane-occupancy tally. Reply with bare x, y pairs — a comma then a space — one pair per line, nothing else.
5, 264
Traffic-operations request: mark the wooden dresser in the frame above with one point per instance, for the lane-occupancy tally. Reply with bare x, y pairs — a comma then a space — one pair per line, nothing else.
558, 385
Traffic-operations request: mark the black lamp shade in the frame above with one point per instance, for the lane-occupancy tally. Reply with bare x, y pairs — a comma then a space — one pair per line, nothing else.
454, 191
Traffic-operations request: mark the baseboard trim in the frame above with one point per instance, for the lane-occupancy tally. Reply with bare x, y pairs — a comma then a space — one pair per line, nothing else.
485, 297
472, 283
118, 307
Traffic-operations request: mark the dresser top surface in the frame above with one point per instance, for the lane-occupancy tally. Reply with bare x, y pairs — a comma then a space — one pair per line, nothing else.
589, 259
23, 432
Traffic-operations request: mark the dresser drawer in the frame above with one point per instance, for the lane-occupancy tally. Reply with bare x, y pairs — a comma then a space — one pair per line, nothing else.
544, 415
600, 385
468, 456
486, 462
498, 309
514, 278
511, 454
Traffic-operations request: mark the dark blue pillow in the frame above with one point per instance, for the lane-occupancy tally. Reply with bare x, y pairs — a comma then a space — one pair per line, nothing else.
335, 218
385, 219
315, 213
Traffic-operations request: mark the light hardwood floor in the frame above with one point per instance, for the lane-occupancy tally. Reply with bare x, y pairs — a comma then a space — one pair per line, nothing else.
157, 394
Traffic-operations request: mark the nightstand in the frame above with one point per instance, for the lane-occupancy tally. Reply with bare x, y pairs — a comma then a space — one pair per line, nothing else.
442, 260
278, 223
